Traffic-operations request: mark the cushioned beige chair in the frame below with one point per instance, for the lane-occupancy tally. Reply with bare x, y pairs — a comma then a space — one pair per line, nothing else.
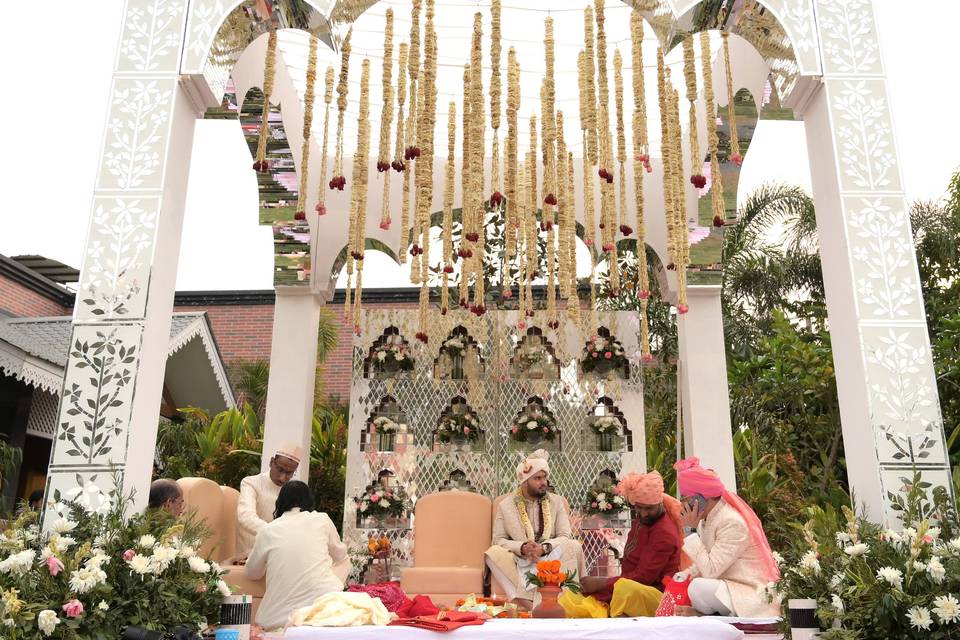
451, 532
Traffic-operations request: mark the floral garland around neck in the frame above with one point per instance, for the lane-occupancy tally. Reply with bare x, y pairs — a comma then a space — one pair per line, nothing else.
525, 518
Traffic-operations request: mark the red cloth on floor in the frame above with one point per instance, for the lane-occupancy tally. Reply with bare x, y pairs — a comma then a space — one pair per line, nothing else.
390, 594
674, 595
420, 606
449, 620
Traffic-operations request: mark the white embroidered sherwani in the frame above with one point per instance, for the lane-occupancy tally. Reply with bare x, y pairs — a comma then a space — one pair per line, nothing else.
258, 500
510, 533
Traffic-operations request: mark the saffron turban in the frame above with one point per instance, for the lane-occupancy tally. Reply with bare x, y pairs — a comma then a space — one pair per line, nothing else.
693, 479
532, 465
290, 450
642, 488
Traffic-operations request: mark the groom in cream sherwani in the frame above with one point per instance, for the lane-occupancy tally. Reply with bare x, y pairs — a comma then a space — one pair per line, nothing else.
531, 525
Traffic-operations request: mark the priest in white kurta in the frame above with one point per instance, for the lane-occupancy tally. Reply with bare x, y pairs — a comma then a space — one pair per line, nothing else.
531, 526
258, 496
296, 553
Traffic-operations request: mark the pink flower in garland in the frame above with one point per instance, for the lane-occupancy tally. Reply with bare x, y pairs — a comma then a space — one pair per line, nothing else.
73, 609
54, 566
608, 355
128, 555
374, 498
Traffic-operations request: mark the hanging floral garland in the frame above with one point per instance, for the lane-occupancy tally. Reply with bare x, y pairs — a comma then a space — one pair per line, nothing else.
496, 198
386, 119
587, 108
398, 147
681, 237
607, 198
533, 202
625, 229
410, 151
447, 230
339, 181
464, 252
641, 161
308, 98
260, 163
511, 221
321, 207
710, 115
475, 233
424, 165
665, 156
690, 77
589, 117
358, 192
563, 209
548, 125
521, 213
573, 301
735, 156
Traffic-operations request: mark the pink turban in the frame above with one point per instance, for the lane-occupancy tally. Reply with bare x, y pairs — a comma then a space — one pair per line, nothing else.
693, 479
642, 488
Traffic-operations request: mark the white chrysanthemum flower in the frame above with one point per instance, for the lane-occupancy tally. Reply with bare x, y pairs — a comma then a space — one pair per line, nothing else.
532, 424
62, 525
381, 356
936, 570
97, 560
954, 545
224, 589
162, 557
842, 537
893, 577
19, 563
909, 534
46, 553
186, 551
198, 565
384, 503
778, 559
836, 580
47, 621
140, 565
855, 550
147, 542
919, 566
947, 608
920, 618
216, 568
836, 603
83, 580
810, 562
103, 606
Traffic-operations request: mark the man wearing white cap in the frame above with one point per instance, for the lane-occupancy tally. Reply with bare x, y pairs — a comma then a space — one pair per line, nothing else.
258, 496
531, 526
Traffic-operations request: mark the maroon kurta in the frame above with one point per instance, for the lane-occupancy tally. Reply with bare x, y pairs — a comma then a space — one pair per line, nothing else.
651, 553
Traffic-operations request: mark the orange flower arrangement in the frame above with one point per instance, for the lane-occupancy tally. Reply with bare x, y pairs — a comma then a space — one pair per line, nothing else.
549, 575
379, 548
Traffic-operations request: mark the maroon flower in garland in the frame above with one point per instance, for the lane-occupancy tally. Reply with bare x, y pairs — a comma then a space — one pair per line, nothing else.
496, 199
682, 308
698, 181
382, 166
550, 199
411, 153
448, 268
546, 225
718, 221
625, 230
398, 166
321, 209
338, 183
422, 337
300, 215
261, 166
473, 236
415, 250
554, 324
643, 294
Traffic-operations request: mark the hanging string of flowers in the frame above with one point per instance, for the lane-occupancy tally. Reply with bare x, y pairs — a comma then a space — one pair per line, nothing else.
641, 161
339, 181
735, 156
682, 247
690, 76
410, 152
447, 232
573, 300
521, 213
321, 207
477, 162
625, 229
716, 180
665, 156
607, 198
308, 98
496, 199
533, 202
424, 167
589, 117
398, 146
464, 251
563, 210
548, 124
386, 119
260, 164
359, 190
512, 216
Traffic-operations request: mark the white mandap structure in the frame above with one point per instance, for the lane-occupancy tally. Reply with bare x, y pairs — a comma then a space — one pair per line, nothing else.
174, 61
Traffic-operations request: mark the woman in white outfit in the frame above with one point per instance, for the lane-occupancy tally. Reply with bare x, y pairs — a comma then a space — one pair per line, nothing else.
296, 552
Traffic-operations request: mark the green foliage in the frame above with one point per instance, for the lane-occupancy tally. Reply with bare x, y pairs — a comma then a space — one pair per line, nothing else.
251, 385
328, 461
10, 459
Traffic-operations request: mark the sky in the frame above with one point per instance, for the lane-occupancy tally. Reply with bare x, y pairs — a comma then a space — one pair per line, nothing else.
57, 92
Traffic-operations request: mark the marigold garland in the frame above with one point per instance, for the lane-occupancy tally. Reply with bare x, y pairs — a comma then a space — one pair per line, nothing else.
386, 119
735, 156
260, 163
665, 156
710, 115
308, 98
447, 230
690, 78
339, 181
573, 301
410, 151
321, 207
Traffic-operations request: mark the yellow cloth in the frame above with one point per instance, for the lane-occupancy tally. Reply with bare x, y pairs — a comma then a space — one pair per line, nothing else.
630, 599
342, 610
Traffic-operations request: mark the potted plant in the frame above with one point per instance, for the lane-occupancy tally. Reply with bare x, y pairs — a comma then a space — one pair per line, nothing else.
380, 506
386, 431
550, 580
534, 425
602, 356
604, 503
458, 428
607, 430
392, 356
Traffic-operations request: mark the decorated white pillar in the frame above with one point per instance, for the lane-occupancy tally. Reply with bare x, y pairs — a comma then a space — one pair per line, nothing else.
703, 390
889, 406
293, 363
109, 408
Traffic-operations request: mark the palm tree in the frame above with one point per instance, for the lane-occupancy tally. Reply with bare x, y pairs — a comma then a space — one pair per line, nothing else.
771, 262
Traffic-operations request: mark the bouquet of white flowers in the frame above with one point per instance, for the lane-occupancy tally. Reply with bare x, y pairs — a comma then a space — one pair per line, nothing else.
458, 425
603, 353
607, 424
602, 500
534, 424
392, 354
382, 502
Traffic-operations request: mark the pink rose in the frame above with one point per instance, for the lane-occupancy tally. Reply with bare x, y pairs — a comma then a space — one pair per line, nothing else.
54, 566
546, 430
608, 355
593, 504
466, 430
73, 609
128, 555
928, 538
595, 354
374, 498
514, 430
